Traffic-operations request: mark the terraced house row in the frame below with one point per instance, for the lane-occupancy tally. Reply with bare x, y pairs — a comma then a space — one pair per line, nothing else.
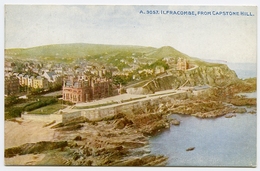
14, 81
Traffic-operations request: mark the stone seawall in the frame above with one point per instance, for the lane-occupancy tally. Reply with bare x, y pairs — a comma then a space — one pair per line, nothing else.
147, 105
134, 107
98, 113
66, 117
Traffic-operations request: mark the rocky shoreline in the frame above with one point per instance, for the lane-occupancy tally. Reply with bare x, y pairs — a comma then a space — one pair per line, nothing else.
116, 142
123, 140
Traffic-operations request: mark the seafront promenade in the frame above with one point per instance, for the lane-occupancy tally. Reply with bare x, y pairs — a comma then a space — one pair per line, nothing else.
99, 109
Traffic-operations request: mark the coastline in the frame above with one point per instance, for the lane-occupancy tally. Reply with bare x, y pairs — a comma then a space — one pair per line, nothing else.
121, 140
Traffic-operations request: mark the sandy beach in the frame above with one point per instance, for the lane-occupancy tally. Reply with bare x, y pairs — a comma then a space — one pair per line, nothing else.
26, 131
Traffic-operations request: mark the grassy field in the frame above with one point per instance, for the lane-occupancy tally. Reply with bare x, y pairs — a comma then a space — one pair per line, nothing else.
23, 104
47, 109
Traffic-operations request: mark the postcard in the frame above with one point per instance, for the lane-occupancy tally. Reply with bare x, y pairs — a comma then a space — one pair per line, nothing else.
130, 85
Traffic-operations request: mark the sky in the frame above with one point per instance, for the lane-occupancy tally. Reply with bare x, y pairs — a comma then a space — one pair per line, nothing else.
229, 38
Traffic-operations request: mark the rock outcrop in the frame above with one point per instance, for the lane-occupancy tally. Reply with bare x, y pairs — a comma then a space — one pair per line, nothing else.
213, 75
32, 148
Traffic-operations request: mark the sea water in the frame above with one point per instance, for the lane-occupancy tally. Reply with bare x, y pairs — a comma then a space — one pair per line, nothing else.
226, 142
244, 70
218, 142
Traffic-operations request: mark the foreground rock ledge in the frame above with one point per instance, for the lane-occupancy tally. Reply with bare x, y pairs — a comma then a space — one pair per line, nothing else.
122, 141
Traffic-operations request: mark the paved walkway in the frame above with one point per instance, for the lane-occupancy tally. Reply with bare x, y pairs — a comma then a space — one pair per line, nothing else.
112, 99
124, 97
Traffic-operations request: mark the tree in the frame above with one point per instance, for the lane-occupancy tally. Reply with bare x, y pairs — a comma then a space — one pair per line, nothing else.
119, 79
11, 100
36, 91
14, 112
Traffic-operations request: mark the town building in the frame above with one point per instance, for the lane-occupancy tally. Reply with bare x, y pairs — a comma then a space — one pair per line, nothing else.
20, 77
58, 70
100, 88
30, 81
12, 85
159, 70
9, 66
40, 82
182, 64
77, 89
51, 76
25, 80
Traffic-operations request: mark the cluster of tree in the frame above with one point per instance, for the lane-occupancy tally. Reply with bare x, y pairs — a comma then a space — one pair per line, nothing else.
38, 91
55, 86
116, 61
122, 79
40, 103
12, 111
159, 62
31, 90
19, 67
64, 102
12, 100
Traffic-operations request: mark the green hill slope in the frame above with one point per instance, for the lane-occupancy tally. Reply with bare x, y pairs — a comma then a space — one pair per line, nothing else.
167, 51
73, 50
99, 53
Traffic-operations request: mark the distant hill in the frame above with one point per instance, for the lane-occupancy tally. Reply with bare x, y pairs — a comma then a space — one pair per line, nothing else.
73, 50
167, 51
101, 53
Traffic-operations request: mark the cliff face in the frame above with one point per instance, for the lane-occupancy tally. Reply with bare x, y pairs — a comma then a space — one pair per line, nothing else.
215, 75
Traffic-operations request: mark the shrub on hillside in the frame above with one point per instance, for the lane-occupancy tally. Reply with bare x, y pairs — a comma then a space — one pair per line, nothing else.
40, 103
13, 112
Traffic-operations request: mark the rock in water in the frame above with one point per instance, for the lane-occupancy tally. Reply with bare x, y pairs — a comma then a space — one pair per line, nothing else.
190, 149
175, 122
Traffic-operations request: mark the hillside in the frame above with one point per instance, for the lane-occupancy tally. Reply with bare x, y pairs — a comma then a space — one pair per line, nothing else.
98, 53
74, 51
167, 51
